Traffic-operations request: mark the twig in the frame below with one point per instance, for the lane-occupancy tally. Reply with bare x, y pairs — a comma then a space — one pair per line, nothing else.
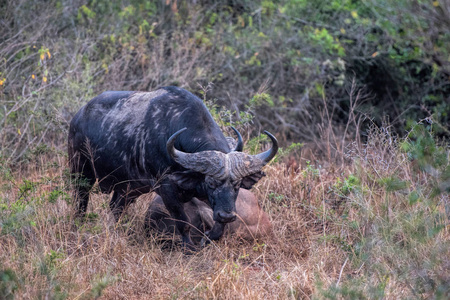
342, 269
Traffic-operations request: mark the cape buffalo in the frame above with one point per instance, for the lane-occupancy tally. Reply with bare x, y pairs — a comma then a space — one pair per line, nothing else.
251, 222
164, 141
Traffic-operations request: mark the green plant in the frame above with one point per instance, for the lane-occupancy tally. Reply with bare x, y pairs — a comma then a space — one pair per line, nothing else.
428, 155
348, 185
9, 284
99, 284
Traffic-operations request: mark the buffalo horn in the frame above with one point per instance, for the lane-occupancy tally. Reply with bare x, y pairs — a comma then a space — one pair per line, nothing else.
206, 162
240, 143
174, 153
269, 154
218, 164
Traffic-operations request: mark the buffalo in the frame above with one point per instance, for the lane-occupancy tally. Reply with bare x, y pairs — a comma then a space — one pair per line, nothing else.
251, 223
164, 141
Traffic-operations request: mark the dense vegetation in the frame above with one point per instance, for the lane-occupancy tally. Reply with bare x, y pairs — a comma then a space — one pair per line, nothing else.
282, 61
373, 228
358, 92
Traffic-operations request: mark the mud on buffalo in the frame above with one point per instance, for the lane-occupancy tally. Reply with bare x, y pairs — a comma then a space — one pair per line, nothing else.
164, 141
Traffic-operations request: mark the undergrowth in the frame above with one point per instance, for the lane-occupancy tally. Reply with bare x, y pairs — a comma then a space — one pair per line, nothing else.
375, 227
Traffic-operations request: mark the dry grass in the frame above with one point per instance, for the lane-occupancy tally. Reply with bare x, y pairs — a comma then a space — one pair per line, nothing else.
335, 236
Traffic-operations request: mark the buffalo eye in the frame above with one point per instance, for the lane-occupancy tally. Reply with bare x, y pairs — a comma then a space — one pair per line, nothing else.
236, 184
211, 183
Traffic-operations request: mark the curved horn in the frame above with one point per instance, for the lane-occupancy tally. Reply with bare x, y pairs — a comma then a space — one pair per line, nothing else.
205, 162
269, 154
174, 153
240, 143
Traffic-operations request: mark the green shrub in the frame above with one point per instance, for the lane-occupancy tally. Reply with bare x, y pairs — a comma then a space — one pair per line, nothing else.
9, 283
286, 60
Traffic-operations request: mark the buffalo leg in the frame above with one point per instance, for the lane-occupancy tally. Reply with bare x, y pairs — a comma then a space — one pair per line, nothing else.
176, 209
82, 179
181, 223
214, 234
81, 201
119, 201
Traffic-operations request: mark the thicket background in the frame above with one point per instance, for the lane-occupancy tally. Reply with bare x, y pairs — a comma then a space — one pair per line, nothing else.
281, 61
364, 86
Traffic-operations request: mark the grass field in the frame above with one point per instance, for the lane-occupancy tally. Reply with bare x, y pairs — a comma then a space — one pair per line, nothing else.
370, 222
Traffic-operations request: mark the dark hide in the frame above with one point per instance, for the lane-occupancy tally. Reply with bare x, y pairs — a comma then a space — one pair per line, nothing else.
121, 138
251, 222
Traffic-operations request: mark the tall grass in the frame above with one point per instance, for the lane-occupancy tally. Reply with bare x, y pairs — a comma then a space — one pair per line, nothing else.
359, 218
374, 227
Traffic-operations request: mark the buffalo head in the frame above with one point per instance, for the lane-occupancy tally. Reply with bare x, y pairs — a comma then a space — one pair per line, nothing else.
220, 175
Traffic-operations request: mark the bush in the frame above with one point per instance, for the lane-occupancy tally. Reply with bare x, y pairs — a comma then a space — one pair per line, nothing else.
287, 61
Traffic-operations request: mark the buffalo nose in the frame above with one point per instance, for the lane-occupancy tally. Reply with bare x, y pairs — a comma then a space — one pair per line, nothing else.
225, 217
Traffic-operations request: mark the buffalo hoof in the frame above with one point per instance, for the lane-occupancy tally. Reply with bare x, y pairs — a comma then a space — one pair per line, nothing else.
189, 249
205, 241
187, 246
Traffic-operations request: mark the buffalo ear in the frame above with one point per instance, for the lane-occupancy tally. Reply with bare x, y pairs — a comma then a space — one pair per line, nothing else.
250, 180
186, 180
